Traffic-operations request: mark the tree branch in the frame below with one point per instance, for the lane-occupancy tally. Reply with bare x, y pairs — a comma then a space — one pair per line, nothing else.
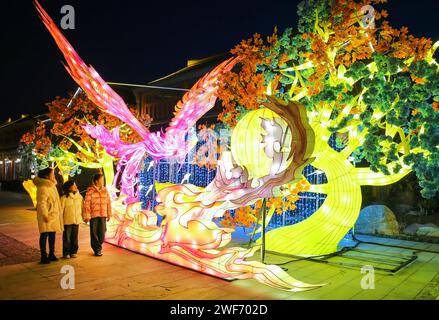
366, 177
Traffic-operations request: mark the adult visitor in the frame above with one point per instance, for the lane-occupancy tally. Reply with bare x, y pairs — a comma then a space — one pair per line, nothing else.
49, 214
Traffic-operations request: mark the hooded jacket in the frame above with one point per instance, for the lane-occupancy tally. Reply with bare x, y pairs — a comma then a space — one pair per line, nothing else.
71, 205
48, 206
97, 203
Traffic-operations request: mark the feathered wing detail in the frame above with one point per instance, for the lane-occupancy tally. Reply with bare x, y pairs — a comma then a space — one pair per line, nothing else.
194, 104
164, 242
200, 99
89, 80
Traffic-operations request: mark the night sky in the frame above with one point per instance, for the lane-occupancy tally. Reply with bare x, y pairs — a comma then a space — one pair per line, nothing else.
139, 41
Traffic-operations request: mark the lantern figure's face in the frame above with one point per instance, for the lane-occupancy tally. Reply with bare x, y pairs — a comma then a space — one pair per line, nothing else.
261, 143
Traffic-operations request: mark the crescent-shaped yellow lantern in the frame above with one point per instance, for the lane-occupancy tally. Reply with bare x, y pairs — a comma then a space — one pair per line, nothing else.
260, 143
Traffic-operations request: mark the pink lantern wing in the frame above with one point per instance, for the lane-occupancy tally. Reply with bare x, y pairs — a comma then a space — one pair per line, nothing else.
194, 104
89, 80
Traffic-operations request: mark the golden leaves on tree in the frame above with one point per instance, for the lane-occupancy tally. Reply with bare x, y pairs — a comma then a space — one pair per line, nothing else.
246, 87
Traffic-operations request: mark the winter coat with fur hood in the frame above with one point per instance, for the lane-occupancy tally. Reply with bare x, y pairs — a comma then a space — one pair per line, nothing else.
49, 212
97, 203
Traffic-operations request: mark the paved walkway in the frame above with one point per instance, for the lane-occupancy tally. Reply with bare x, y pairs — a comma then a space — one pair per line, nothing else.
121, 274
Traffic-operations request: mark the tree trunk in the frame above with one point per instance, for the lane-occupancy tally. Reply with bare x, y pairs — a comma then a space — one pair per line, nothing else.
324, 229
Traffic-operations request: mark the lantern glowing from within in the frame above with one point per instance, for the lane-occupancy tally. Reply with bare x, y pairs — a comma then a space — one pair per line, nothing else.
31, 189
187, 236
259, 143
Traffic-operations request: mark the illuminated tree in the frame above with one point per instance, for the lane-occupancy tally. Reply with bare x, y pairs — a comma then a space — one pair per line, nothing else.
378, 87
68, 144
69, 115
44, 154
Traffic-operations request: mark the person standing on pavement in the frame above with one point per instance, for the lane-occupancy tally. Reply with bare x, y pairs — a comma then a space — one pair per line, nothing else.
71, 204
49, 214
97, 210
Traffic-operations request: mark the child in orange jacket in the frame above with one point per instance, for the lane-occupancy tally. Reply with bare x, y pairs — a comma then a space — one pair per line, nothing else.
97, 210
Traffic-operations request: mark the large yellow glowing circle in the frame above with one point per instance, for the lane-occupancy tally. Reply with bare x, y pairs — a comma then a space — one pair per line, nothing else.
248, 148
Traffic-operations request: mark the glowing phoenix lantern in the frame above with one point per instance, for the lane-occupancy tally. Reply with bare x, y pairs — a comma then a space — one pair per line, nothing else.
31, 189
187, 235
200, 99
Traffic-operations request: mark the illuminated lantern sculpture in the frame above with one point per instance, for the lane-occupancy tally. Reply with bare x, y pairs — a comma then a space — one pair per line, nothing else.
31, 189
272, 144
376, 87
195, 103
258, 127
187, 236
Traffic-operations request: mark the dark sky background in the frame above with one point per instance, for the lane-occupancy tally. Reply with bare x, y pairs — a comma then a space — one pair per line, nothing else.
136, 41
